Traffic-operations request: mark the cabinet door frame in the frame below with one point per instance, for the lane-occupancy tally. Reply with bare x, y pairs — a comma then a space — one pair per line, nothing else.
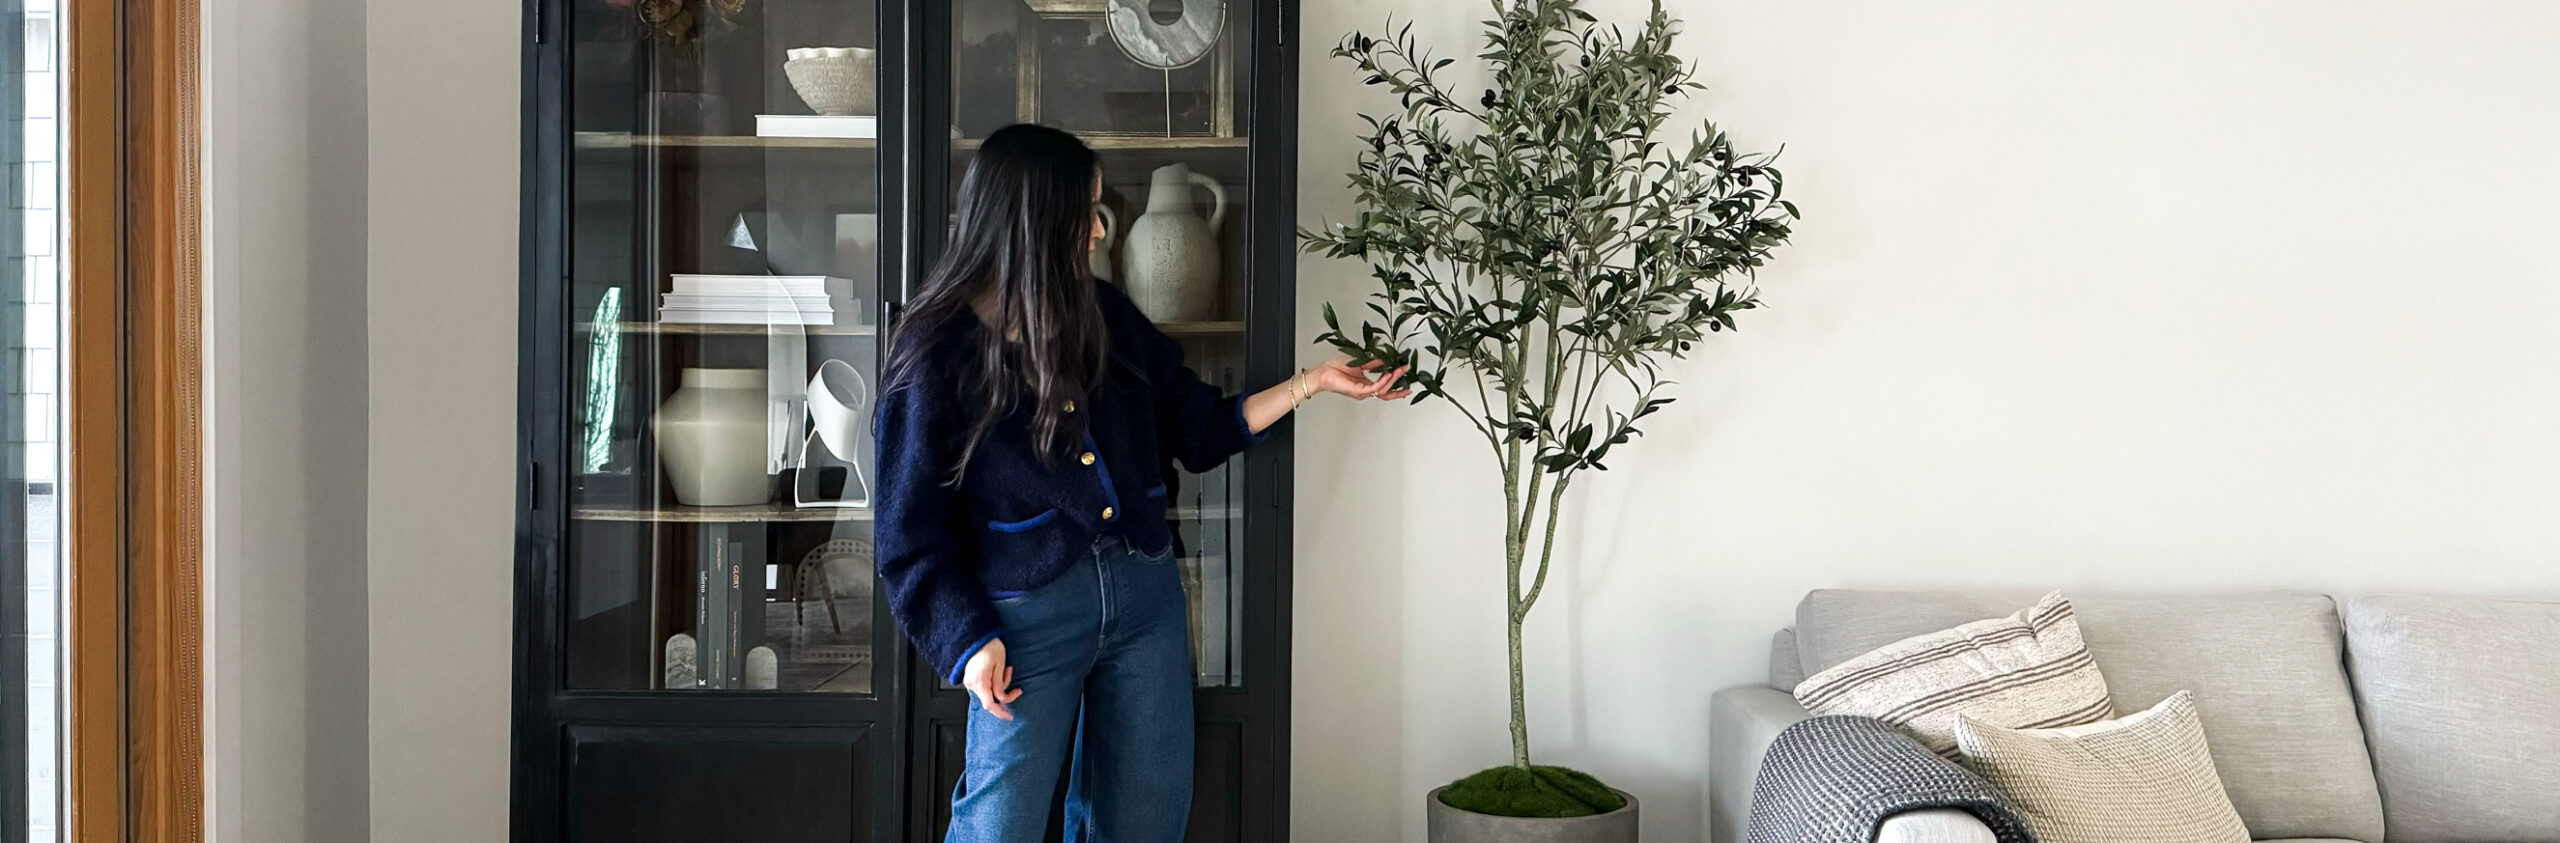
545, 712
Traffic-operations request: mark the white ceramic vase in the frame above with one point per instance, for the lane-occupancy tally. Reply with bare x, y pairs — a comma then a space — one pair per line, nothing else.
711, 438
1170, 253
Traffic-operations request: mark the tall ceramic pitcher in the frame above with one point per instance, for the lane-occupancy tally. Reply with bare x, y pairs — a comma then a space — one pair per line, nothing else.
1170, 254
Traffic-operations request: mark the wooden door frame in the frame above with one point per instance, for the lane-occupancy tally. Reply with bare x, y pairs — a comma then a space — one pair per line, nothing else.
133, 298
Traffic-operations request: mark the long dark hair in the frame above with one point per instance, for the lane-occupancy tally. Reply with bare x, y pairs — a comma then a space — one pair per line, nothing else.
1025, 230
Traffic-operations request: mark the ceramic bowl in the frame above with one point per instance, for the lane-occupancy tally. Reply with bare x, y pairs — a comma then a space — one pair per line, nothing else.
835, 81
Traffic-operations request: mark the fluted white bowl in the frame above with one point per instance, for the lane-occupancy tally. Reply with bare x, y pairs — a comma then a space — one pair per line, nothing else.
835, 80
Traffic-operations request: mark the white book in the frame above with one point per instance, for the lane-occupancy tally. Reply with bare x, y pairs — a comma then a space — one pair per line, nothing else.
816, 126
747, 302
759, 285
744, 317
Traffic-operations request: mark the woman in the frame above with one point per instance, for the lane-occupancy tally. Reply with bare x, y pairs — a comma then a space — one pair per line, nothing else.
1029, 417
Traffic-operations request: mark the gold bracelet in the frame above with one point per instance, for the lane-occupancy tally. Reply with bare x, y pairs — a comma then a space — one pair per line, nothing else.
1299, 392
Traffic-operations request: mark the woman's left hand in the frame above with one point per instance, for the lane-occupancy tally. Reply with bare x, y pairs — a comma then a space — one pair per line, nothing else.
1338, 375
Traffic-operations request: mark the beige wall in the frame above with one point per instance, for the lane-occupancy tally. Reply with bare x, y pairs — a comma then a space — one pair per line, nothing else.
285, 268
2176, 295
443, 82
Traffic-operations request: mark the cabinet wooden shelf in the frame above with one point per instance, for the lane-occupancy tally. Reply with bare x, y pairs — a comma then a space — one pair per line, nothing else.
778, 514
625, 140
755, 513
1200, 329
1174, 329
700, 329
1107, 142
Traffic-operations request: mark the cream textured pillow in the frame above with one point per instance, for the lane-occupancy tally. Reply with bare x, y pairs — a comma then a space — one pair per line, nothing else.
2147, 778
2028, 670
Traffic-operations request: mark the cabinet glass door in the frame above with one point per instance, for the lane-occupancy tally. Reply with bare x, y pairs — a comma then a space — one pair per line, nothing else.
724, 262
1158, 89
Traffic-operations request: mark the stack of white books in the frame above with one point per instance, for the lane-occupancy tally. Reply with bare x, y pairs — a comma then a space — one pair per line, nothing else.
754, 299
816, 126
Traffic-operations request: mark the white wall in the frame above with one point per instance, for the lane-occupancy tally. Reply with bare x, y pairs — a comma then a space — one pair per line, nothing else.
2179, 295
443, 80
284, 271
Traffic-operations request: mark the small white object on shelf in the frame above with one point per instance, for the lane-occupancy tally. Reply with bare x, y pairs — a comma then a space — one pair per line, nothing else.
835, 80
839, 404
816, 126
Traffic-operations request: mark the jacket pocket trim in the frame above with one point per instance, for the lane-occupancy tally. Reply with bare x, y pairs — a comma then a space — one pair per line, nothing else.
1024, 524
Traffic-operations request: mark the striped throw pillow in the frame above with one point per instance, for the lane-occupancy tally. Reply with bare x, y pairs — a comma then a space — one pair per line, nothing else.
2026, 671
2147, 778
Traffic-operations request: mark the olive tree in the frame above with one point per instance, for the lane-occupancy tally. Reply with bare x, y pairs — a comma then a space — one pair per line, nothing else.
1541, 250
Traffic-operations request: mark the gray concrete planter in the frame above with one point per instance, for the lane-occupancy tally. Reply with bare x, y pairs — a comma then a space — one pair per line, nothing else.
1450, 825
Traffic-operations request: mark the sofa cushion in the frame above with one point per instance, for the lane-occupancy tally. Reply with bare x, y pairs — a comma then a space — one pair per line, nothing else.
2267, 671
2461, 702
1786, 669
2027, 670
2145, 778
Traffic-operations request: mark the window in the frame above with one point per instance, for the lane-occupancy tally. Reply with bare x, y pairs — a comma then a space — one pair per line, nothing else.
31, 598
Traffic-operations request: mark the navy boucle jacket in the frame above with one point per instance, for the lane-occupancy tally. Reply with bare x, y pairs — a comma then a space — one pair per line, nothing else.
1013, 524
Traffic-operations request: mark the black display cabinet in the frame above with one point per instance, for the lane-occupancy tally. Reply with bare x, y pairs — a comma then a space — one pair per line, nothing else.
724, 201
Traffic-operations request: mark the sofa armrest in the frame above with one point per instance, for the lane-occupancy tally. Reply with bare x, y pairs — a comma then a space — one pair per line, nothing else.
1741, 724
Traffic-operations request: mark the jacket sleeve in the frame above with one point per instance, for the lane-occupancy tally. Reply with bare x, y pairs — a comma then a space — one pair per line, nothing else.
923, 546
1195, 422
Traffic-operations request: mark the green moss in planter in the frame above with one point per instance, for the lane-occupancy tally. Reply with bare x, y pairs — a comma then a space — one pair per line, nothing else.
1538, 791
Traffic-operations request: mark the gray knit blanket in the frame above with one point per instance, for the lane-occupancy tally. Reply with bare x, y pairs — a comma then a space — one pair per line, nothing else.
1835, 779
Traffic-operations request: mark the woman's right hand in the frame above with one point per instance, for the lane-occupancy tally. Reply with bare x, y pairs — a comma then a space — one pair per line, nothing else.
990, 679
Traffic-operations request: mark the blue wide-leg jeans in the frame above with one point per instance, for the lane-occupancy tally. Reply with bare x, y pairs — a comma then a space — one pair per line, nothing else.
1102, 656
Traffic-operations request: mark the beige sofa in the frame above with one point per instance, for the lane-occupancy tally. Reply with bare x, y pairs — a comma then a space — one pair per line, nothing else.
2407, 718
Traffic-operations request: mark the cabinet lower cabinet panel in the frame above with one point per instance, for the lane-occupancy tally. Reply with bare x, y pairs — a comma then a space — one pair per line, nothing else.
687, 784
